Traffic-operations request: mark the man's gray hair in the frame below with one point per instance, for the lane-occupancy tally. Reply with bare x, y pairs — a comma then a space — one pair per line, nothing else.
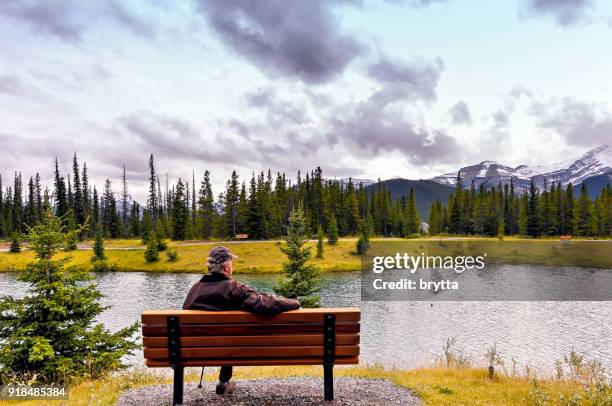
216, 268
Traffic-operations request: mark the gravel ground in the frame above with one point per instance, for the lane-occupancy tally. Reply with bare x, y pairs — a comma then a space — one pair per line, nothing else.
291, 391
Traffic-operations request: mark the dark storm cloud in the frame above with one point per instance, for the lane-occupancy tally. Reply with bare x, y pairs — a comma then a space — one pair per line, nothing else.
176, 138
297, 39
172, 136
417, 80
460, 113
578, 122
369, 130
373, 126
376, 124
279, 112
565, 12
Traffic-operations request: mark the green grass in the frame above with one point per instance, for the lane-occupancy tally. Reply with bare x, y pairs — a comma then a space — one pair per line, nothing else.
436, 386
579, 253
255, 257
266, 257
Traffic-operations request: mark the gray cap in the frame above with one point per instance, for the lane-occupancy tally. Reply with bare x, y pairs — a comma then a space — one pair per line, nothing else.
220, 254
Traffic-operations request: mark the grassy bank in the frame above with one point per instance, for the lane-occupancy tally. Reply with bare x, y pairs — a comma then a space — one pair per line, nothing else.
255, 257
265, 256
436, 386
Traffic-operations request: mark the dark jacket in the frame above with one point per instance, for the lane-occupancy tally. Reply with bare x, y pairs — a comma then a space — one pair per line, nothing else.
220, 292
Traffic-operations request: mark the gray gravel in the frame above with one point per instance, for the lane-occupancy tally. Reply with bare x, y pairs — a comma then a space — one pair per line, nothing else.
290, 391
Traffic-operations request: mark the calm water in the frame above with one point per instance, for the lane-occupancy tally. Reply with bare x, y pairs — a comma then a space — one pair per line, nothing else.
400, 334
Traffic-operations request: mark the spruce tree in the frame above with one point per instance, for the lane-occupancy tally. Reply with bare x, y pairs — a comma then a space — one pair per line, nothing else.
412, 222
31, 215
51, 335
161, 240
134, 220
206, 207
320, 237
98, 248
363, 243
533, 218
180, 212
332, 231
584, 214
61, 202
125, 226
15, 244
435, 218
301, 278
151, 253
152, 202
230, 207
17, 209
147, 228
78, 203
457, 208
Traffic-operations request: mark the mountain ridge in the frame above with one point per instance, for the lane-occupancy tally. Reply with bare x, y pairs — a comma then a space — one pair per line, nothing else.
595, 162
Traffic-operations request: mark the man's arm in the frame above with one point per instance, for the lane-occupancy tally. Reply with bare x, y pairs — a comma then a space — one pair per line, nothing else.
190, 297
262, 303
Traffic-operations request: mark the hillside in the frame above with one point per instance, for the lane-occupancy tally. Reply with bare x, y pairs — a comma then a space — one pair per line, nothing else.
595, 184
426, 191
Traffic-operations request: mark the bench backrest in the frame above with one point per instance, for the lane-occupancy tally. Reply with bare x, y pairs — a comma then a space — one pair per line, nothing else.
237, 337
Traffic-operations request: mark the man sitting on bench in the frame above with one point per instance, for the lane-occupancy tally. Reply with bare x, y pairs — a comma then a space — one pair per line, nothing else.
218, 291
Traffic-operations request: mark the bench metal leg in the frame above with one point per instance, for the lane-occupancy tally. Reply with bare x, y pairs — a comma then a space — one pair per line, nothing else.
328, 381
329, 355
177, 397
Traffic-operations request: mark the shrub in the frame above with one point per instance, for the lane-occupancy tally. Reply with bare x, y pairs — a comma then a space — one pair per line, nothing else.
300, 277
98, 248
104, 266
15, 244
51, 334
172, 256
332, 231
161, 241
151, 253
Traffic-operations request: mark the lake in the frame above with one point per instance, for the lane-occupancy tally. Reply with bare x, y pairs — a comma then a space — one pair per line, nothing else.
398, 334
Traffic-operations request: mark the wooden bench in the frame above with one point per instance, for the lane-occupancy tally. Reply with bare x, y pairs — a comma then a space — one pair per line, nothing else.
194, 338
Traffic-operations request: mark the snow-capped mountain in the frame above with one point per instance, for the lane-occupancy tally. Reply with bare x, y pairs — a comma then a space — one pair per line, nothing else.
595, 162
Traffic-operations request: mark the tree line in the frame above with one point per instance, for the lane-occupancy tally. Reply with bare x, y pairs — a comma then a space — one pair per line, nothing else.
552, 211
260, 207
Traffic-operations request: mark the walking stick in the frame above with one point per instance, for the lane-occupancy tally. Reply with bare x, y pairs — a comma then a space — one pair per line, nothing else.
201, 376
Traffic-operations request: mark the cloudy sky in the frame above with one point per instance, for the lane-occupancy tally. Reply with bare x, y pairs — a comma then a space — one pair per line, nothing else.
370, 89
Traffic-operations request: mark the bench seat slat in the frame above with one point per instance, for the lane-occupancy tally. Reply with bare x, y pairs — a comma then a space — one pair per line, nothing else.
247, 329
240, 316
155, 363
252, 352
251, 341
